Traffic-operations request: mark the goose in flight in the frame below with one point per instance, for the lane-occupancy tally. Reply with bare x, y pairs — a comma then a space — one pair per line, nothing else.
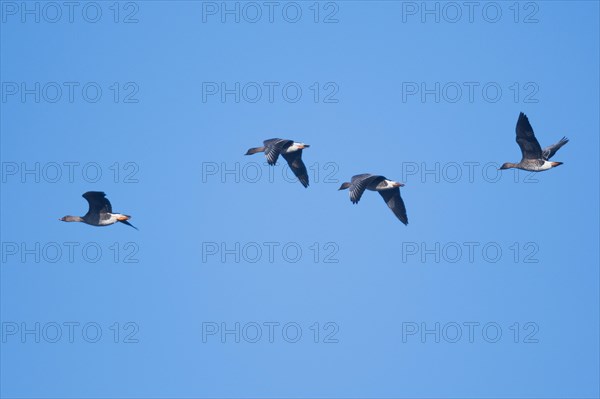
290, 150
100, 212
534, 158
389, 190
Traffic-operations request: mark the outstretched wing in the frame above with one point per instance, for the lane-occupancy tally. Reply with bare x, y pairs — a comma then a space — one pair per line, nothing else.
99, 204
530, 147
551, 149
359, 184
394, 201
273, 148
294, 159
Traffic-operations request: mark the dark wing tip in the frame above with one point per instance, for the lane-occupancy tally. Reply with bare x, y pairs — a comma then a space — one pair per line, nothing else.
394, 201
401, 214
295, 163
302, 177
523, 120
523, 117
128, 224
94, 194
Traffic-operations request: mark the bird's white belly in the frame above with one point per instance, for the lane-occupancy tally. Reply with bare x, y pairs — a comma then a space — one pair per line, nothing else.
113, 219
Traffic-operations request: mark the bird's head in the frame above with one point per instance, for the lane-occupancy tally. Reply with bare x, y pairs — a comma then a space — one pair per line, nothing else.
506, 165
344, 186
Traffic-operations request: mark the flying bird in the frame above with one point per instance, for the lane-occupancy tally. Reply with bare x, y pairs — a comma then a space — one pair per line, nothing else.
100, 212
290, 150
389, 190
534, 158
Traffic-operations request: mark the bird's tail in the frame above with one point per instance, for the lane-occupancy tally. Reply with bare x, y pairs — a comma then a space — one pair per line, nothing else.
255, 150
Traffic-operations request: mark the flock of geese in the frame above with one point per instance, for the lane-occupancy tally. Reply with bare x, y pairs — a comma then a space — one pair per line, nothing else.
534, 159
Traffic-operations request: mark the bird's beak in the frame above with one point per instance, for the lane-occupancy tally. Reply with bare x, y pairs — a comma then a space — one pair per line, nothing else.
306, 146
398, 184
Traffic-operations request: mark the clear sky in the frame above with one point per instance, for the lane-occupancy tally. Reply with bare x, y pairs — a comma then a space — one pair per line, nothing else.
242, 283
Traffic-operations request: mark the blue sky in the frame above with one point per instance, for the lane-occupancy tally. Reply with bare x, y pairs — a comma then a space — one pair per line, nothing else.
156, 102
